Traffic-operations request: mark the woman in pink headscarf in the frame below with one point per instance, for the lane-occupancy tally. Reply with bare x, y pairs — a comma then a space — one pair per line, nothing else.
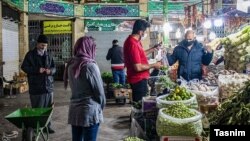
88, 98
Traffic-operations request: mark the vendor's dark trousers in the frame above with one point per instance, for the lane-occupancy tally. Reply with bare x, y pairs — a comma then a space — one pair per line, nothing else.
139, 90
80, 133
41, 101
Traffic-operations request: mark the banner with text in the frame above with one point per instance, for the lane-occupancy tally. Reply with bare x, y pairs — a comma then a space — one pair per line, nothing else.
57, 27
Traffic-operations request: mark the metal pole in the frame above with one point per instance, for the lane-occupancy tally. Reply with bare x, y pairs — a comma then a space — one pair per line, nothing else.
165, 19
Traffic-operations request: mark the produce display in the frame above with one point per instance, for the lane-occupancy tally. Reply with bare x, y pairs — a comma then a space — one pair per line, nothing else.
132, 139
179, 110
162, 85
179, 94
237, 49
211, 79
179, 120
229, 84
233, 111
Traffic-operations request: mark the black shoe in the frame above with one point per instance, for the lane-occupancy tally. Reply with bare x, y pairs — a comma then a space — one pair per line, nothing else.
51, 131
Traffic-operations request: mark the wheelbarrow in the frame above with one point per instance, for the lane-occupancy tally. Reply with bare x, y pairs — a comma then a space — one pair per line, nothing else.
32, 121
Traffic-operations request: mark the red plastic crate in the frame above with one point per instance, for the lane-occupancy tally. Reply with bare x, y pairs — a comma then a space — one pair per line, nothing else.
179, 138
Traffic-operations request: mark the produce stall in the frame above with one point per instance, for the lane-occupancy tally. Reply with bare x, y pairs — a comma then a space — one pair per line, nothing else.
181, 110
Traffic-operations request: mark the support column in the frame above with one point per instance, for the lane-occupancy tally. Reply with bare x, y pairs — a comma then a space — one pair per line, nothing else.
23, 37
144, 9
78, 30
1, 42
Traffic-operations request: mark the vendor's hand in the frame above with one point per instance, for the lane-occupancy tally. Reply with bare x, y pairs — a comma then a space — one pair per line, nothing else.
42, 70
158, 65
158, 46
209, 49
170, 50
48, 71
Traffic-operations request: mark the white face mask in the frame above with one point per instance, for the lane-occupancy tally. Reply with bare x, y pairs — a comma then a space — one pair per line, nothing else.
41, 51
144, 36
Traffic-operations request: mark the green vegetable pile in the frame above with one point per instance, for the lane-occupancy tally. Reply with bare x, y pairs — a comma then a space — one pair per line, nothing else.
117, 85
133, 139
137, 105
179, 110
107, 77
175, 121
164, 68
233, 111
179, 93
166, 82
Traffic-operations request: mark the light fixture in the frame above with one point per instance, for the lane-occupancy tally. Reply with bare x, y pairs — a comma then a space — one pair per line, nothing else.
212, 35
207, 24
167, 27
190, 28
100, 28
218, 22
178, 34
86, 29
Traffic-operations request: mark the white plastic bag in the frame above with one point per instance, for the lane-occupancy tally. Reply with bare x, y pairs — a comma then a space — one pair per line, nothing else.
167, 125
208, 97
162, 103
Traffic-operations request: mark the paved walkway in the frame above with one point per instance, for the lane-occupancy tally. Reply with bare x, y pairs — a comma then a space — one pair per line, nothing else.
115, 127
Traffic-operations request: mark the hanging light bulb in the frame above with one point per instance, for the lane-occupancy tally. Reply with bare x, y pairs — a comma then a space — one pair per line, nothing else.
178, 34
212, 35
218, 22
167, 27
86, 29
207, 24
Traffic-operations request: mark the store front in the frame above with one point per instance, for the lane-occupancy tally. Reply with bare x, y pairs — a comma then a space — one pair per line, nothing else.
10, 42
54, 19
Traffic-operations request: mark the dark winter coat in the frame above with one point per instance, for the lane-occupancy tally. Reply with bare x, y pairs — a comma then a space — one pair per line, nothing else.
190, 61
115, 54
39, 83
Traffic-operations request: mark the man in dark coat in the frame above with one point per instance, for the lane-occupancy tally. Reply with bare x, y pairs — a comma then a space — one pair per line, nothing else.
191, 56
40, 68
115, 54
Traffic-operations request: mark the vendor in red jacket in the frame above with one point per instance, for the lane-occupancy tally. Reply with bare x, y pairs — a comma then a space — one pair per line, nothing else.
136, 60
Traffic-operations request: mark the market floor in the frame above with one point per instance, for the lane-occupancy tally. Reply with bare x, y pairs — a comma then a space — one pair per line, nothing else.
116, 117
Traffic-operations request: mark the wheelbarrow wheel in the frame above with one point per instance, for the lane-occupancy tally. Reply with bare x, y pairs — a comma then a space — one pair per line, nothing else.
30, 134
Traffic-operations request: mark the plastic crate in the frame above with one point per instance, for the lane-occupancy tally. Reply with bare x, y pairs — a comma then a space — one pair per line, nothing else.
179, 138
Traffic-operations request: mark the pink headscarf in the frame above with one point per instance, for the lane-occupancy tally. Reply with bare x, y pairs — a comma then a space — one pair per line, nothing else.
84, 53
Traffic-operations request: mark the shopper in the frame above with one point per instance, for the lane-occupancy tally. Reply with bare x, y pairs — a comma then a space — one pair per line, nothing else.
40, 68
191, 56
88, 98
136, 60
115, 54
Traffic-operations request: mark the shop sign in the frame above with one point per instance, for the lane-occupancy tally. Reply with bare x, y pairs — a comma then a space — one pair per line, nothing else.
48, 7
97, 10
177, 1
57, 27
16, 3
157, 7
109, 25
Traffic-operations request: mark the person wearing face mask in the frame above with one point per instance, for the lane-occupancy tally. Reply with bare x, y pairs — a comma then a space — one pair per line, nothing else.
191, 56
40, 68
136, 61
